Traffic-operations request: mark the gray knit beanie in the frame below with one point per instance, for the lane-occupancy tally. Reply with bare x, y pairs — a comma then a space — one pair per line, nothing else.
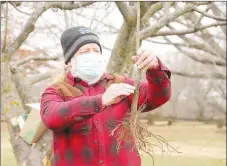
74, 38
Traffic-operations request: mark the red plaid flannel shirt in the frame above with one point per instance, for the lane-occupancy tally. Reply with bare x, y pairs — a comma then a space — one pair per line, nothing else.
82, 127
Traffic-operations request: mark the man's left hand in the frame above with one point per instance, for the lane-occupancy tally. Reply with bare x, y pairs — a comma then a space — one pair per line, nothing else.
145, 60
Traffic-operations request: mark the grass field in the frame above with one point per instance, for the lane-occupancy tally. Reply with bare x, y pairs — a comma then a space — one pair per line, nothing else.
201, 145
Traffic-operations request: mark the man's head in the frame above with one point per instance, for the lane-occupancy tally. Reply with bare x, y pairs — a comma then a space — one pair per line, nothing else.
90, 48
73, 39
83, 54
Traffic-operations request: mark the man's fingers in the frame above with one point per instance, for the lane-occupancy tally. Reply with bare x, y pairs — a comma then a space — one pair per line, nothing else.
128, 86
122, 89
145, 63
152, 64
141, 59
125, 86
125, 91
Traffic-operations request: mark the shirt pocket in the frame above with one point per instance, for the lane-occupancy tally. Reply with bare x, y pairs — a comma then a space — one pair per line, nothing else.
82, 128
115, 115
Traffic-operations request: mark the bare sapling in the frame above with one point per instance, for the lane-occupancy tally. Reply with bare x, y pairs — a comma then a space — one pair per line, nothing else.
131, 131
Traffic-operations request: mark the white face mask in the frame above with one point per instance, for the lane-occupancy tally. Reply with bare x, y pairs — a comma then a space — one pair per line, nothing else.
89, 67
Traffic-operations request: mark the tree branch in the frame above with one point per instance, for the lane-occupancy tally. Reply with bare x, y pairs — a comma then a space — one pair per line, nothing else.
151, 11
187, 31
126, 12
92, 20
30, 25
66, 20
151, 30
106, 48
102, 19
41, 77
207, 37
201, 17
198, 58
210, 15
99, 21
49, 27
107, 32
204, 60
16, 3
217, 12
203, 45
199, 75
195, 45
28, 59
200, 3
15, 7
69, 6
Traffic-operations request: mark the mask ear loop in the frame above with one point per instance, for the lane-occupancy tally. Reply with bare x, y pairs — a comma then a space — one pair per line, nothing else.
67, 68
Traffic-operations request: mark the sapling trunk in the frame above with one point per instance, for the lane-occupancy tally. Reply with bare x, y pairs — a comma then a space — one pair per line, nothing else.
130, 130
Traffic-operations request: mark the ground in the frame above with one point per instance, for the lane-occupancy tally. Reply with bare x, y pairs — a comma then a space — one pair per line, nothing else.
200, 145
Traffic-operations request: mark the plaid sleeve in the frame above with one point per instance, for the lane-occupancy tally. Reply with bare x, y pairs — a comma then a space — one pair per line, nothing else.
156, 90
58, 114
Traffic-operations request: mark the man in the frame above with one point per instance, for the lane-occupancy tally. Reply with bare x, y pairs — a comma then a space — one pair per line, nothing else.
83, 110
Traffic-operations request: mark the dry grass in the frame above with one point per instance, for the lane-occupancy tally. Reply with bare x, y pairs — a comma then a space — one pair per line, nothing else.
183, 161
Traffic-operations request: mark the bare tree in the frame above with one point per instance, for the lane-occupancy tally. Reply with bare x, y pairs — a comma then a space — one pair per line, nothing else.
13, 89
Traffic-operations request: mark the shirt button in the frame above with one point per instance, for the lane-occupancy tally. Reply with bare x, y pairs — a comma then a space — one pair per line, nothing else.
96, 141
96, 121
77, 79
100, 161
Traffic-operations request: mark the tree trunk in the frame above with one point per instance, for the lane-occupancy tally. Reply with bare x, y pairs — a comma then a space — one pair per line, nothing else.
125, 46
120, 60
117, 57
12, 106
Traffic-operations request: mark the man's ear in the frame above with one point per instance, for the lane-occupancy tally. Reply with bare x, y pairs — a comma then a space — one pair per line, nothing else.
68, 66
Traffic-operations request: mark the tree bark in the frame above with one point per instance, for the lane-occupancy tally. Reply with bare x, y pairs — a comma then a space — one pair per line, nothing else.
14, 95
117, 56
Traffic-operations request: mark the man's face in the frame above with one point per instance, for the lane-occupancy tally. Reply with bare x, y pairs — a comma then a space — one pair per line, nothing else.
85, 49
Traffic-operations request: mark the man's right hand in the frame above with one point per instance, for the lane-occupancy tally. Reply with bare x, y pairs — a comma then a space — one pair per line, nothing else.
116, 92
